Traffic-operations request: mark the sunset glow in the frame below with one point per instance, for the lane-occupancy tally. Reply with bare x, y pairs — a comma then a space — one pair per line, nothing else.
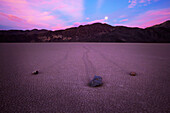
61, 14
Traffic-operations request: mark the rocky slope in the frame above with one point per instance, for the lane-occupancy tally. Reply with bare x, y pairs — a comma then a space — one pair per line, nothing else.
96, 32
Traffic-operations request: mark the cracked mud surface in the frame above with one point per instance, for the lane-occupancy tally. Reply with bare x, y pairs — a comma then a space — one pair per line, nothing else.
66, 68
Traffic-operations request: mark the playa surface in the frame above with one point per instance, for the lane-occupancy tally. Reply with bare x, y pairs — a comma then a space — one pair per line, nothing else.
66, 69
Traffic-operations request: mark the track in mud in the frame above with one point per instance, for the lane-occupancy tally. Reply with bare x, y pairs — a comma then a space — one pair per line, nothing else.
89, 67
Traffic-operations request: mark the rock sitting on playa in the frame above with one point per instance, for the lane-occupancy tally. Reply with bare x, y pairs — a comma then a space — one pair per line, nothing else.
97, 81
35, 72
132, 73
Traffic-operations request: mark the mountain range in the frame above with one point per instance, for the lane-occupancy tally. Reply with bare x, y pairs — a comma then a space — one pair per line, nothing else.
96, 32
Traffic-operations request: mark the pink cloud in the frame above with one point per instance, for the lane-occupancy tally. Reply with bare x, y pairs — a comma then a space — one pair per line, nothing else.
118, 24
153, 22
40, 13
58, 27
124, 20
133, 3
14, 21
142, 1
11, 17
72, 8
122, 16
75, 24
150, 18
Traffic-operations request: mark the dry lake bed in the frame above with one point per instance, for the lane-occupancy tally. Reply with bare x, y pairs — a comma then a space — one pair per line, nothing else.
65, 70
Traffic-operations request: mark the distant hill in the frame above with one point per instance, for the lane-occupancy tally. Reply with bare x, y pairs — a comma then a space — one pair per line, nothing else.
96, 32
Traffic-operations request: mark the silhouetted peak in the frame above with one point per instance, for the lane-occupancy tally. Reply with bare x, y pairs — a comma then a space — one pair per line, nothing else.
165, 24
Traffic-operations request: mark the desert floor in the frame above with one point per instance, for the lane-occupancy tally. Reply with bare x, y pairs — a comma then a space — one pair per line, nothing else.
66, 69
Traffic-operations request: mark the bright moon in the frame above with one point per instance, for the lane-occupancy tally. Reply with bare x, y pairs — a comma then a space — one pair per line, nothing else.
105, 17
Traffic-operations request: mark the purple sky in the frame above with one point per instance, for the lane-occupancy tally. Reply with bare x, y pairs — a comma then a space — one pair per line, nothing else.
61, 14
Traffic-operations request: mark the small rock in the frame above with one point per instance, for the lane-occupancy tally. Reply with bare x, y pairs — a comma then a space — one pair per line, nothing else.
132, 73
97, 81
35, 72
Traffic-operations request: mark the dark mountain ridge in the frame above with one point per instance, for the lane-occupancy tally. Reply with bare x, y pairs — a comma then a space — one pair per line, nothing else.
96, 32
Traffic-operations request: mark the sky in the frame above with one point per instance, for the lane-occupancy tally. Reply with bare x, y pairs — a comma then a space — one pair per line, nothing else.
62, 14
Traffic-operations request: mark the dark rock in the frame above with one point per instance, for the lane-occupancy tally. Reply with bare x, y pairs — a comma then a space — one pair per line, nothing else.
35, 72
132, 73
97, 81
